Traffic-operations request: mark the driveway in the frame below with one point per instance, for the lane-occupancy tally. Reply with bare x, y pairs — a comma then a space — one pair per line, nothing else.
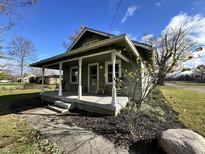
73, 139
186, 87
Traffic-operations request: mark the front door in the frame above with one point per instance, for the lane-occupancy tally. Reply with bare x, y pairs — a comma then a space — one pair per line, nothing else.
93, 77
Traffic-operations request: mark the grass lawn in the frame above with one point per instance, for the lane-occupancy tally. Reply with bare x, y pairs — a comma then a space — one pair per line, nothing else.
192, 84
189, 104
17, 86
15, 135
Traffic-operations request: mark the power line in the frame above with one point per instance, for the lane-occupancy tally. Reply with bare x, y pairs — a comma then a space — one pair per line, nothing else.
113, 19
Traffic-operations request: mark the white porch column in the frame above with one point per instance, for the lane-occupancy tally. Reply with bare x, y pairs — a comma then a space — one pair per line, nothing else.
80, 79
42, 80
60, 83
114, 94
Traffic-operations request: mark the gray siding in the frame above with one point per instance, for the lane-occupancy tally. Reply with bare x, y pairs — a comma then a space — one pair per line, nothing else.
102, 86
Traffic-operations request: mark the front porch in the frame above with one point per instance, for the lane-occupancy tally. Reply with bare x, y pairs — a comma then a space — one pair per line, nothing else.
89, 102
85, 77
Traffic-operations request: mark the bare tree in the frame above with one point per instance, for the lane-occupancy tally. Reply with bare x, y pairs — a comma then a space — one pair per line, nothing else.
10, 10
172, 49
22, 51
72, 38
7, 7
199, 72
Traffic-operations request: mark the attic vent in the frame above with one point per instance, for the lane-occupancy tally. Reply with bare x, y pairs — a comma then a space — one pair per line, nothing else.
90, 42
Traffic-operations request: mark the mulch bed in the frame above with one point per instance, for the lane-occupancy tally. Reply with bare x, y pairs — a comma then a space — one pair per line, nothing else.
145, 132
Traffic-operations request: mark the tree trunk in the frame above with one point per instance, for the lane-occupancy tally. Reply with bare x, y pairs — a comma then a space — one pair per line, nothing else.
161, 78
21, 70
21, 75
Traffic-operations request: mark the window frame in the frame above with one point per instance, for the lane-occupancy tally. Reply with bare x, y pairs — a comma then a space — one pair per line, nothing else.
72, 68
106, 70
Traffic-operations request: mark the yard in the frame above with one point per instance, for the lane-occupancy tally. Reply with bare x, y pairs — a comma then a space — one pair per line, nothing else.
189, 104
15, 135
191, 84
155, 116
16, 86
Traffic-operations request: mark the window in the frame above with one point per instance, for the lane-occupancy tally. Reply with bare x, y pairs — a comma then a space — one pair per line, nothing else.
108, 71
74, 75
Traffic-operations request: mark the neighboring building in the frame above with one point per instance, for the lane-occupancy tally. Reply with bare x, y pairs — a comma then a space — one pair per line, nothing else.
89, 67
50, 79
5, 81
26, 79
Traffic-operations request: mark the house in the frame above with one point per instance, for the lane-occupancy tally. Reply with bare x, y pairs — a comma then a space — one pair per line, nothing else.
49, 79
89, 68
26, 79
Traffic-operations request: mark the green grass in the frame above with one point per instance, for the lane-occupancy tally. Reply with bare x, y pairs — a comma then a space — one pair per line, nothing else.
25, 86
189, 104
15, 135
192, 84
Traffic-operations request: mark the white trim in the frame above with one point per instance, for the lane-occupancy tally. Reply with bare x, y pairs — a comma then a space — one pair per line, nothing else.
106, 70
93, 64
114, 91
92, 55
60, 77
122, 57
130, 43
83, 32
71, 68
79, 79
76, 40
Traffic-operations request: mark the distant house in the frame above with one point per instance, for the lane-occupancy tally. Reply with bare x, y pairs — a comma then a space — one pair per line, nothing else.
26, 79
90, 67
49, 79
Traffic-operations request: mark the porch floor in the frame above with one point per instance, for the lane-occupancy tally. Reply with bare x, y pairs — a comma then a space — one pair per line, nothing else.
89, 102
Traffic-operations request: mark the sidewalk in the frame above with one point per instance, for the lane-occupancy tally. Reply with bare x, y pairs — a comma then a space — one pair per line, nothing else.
73, 139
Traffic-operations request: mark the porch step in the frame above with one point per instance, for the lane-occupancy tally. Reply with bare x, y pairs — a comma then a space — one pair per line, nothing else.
57, 109
63, 105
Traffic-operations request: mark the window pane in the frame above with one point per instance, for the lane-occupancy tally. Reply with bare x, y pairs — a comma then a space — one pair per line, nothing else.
93, 70
110, 72
116, 67
74, 73
116, 74
109, 68
74, 79
109, 77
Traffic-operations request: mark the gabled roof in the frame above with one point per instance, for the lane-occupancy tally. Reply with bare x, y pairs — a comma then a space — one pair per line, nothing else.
108, 35
144, 52
86, 29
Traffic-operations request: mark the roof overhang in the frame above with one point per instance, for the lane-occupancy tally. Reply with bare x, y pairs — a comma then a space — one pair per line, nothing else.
118, 39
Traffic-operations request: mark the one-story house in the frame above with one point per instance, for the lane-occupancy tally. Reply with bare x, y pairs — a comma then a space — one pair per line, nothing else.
49, 79
90, 66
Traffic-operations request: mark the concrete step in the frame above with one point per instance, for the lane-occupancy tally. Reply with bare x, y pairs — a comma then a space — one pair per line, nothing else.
63, 105
57, 109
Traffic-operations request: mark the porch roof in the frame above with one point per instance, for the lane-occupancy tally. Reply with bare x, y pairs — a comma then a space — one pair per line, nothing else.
119, 41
